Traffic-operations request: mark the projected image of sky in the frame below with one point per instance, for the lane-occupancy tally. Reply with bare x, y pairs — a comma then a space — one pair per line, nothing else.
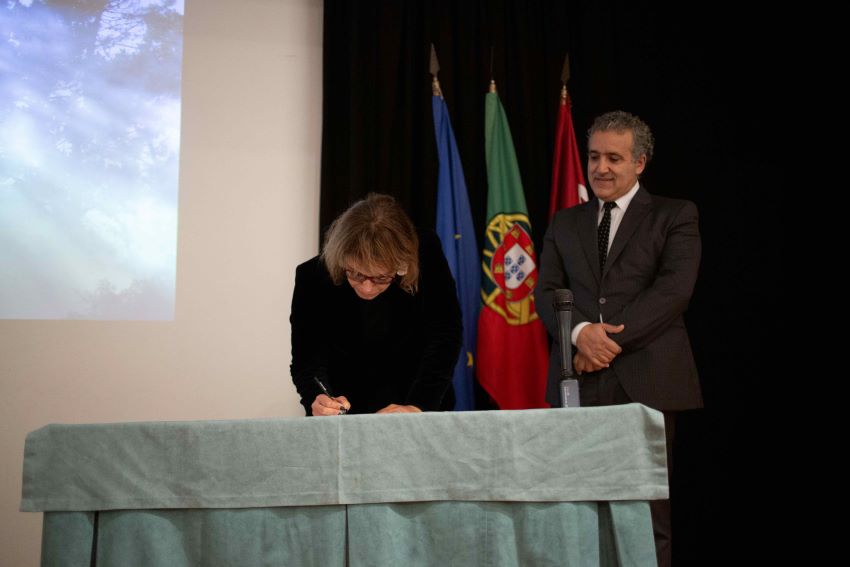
89, 154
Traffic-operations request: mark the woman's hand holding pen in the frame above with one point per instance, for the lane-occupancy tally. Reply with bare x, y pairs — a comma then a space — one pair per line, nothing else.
325, 405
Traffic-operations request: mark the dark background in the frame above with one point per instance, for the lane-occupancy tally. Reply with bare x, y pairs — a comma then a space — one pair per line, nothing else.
698, 76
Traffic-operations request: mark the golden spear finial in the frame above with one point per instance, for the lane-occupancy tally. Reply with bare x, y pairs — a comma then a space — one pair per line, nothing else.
435, 68
565, 76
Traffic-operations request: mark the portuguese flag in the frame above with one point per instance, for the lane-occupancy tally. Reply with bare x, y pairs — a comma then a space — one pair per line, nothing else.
512, 343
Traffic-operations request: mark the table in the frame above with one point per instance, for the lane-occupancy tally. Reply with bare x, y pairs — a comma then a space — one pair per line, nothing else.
533, 487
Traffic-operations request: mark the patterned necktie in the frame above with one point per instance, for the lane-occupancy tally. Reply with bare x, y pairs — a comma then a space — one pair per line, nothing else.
602, 235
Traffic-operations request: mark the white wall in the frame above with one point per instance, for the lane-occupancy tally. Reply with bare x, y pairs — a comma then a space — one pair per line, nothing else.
249, 200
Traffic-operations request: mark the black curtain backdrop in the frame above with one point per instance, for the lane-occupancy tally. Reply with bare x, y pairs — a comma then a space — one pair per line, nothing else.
695, 75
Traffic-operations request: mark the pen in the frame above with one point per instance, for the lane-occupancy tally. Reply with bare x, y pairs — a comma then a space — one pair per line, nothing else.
327, 392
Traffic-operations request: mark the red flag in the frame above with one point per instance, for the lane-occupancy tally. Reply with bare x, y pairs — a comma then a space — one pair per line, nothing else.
568, 187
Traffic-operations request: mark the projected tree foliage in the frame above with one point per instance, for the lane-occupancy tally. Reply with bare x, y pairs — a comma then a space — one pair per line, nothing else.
89, 153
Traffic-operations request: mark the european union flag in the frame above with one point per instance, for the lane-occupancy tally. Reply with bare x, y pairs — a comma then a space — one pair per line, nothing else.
454, 227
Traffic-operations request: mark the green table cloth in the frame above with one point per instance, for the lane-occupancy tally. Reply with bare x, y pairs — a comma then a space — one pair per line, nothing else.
534, 487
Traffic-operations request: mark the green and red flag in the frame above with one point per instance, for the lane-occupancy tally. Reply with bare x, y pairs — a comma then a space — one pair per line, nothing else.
512, 343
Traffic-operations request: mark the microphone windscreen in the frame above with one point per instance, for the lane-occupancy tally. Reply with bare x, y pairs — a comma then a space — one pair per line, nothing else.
562, 300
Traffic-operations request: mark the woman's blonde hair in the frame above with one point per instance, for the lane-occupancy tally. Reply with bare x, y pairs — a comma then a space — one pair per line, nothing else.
375, 233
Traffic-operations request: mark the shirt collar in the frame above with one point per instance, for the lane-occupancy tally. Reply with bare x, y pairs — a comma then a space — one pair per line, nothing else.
623, 202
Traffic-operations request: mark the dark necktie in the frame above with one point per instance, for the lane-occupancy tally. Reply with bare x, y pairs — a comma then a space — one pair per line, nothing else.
604, 229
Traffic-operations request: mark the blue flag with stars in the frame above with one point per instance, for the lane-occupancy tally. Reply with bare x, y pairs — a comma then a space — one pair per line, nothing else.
454, 227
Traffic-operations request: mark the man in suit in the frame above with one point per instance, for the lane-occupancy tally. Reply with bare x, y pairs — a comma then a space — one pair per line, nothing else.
631, 260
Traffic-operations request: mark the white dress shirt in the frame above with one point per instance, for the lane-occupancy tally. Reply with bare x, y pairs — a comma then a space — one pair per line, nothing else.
616, 218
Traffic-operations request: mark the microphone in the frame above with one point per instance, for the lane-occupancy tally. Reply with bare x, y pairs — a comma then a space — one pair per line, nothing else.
562, 303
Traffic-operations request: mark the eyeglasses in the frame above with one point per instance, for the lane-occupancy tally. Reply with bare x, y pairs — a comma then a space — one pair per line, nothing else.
356, 276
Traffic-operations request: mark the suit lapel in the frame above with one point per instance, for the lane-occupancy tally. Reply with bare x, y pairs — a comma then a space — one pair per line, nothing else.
639, 207
587, 230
